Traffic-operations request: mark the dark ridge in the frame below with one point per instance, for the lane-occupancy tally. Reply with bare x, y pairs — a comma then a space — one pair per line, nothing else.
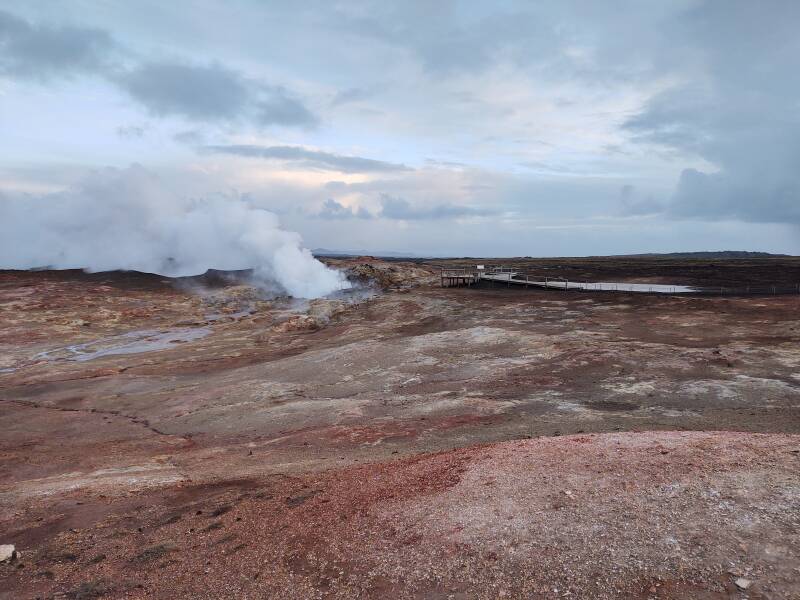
721, 254
130, 280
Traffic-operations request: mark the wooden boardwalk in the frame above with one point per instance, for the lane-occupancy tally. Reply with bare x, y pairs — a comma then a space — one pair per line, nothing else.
558, 283
466, 276
512, 278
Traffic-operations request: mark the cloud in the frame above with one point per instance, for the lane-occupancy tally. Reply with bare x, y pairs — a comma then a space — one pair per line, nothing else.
636, 206
42, 52
737, 196
203, 92
447, 38
737, 111
331, 209
402, 210
192, 137
447, 164
399, 209
212, 93
547, 168
354, 94
281, 108
209, 92
314, 159
676, 118
131, 131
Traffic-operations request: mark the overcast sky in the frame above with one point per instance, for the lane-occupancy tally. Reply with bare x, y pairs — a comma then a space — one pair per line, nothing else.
438, 128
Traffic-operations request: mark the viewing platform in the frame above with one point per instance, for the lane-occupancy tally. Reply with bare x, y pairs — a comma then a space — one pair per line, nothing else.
460, 277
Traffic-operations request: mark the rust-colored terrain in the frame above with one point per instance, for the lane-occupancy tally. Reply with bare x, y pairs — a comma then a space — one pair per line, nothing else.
195, 439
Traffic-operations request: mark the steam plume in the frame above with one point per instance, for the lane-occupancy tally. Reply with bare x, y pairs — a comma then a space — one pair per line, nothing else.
126, 219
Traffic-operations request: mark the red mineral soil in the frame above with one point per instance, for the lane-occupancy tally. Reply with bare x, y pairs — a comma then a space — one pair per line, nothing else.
631, 515
196, 439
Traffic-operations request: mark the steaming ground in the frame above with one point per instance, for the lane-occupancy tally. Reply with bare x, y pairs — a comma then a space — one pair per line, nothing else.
416, 443
130, 219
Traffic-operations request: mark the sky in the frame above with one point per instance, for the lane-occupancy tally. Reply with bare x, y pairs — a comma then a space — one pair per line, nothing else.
435, 128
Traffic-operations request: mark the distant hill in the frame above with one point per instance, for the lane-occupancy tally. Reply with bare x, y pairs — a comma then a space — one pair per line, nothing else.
721, 254
716, 255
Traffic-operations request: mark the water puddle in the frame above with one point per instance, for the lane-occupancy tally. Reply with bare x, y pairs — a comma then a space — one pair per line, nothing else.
133, 342
640, 287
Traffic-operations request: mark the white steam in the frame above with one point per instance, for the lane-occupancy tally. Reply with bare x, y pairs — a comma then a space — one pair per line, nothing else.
127, 219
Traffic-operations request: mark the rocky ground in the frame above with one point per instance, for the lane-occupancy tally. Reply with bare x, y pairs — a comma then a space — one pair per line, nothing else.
201, 439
